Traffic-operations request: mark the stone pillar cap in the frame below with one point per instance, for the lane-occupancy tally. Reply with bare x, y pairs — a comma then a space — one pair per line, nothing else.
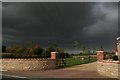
99, 51
54, 52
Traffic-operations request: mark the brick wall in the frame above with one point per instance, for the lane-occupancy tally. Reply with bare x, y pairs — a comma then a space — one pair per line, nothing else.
110, 69
28, 64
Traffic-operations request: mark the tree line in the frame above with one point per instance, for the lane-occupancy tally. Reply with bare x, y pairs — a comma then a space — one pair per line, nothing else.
33, 52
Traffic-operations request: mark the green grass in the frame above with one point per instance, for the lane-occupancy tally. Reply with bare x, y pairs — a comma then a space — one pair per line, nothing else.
78, 61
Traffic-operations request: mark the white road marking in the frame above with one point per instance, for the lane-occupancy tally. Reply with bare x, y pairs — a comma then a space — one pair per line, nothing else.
13, 76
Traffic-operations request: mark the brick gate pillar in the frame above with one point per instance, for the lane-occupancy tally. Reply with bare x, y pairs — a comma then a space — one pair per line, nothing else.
118, 47
100, 55
54, 55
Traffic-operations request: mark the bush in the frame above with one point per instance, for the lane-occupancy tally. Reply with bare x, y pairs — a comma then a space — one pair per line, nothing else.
108, 56
21, 50
3, 49
8, 56
38, 51
115, 57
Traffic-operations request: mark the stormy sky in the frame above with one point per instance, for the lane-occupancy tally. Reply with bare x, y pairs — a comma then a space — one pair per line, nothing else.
91, 24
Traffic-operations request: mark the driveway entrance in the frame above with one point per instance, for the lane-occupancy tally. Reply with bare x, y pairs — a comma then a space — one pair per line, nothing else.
79, 71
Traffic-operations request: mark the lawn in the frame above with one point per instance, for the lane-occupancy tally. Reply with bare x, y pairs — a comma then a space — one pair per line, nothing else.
77, 61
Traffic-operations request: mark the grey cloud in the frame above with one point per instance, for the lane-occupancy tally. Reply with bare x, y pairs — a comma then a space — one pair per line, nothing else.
107, 20
105, 30
63, 23
0, 23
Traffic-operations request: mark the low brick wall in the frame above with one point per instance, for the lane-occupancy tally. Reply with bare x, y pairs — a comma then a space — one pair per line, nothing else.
28, 64
109, 68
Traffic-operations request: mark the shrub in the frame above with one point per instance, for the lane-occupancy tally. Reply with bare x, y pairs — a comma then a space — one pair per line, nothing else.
38, 51
115, 57
3, 49
21, 50
108, 56
8, 56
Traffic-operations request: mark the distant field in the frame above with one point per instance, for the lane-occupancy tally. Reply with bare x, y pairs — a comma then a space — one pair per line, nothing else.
78, 61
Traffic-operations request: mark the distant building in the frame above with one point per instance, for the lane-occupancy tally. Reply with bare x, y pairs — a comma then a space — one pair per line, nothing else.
118, 47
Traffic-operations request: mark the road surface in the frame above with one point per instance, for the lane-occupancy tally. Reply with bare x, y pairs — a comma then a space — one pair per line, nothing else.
80, 72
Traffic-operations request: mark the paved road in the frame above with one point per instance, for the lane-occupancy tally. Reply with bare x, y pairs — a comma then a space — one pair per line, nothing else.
56, 74
12, 77
15, 78
80, 72
84, 67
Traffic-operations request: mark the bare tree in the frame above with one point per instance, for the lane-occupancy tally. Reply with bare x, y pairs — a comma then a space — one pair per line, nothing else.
83, 48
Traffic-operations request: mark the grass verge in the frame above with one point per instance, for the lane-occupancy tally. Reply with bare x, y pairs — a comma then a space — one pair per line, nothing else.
77, 61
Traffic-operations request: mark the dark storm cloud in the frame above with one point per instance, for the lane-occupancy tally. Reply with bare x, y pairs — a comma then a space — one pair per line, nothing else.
105, 30
119, 19
0, 23
63, 23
